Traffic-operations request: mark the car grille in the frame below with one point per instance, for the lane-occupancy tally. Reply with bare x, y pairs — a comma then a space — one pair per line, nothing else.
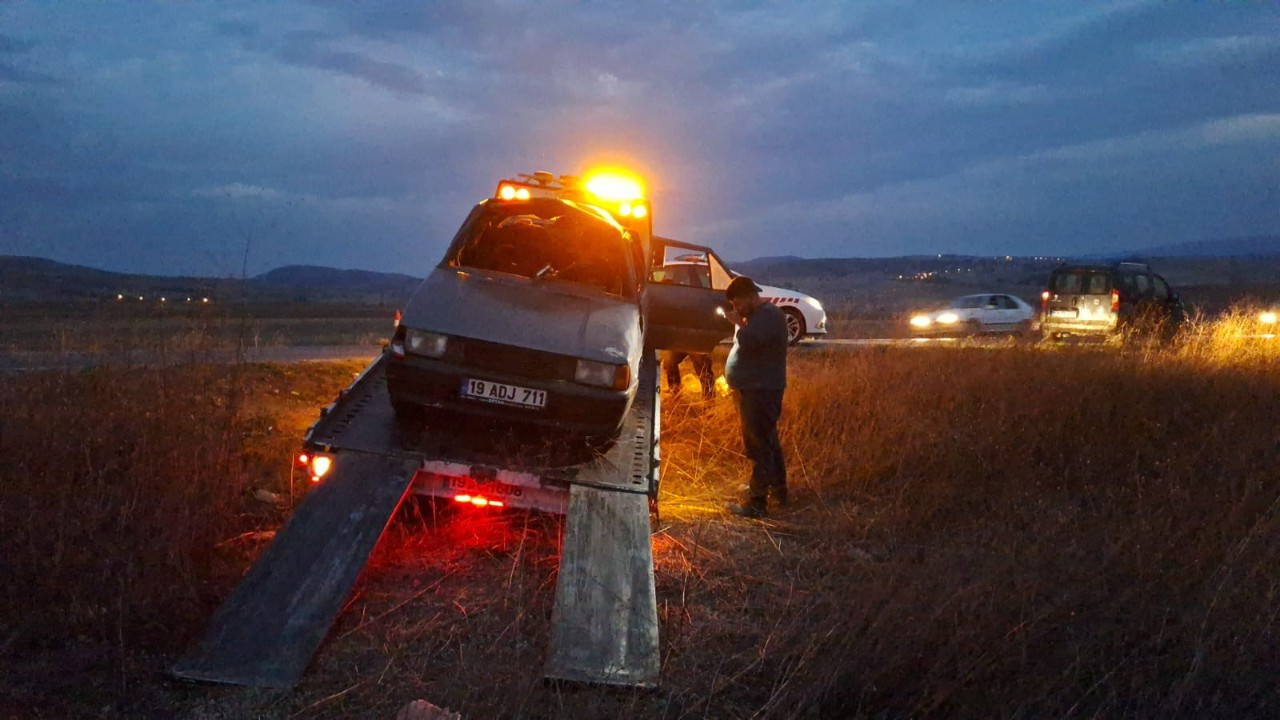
496, 357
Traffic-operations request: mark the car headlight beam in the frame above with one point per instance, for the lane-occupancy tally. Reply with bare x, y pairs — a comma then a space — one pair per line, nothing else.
948, 318
921, 321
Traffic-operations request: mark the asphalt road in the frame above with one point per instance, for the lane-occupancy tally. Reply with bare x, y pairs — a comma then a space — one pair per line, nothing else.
33, 361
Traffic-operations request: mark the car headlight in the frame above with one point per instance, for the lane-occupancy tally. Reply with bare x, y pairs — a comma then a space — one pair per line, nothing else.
1267, 318
421, 342
813, 303
921, 321
948, 318
589, 372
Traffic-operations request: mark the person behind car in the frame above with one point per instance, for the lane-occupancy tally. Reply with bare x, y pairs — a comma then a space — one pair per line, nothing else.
671, 360
757, 372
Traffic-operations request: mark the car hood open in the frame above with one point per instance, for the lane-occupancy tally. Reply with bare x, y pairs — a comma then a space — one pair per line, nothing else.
512, 310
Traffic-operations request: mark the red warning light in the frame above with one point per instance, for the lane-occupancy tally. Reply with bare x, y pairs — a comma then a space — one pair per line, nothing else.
303, 459
478, 501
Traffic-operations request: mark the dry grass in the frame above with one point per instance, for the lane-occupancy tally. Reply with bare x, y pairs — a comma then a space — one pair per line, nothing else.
992, 532
111, 327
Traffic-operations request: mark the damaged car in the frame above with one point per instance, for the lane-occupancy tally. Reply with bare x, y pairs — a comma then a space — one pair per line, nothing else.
536, 314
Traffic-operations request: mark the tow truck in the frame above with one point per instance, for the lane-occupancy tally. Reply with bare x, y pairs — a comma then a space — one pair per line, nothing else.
362, 462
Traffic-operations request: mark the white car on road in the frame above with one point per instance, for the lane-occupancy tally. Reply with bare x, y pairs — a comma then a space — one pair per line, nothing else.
976, 315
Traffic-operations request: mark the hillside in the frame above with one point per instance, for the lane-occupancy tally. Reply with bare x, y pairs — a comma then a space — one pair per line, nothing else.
1258, 246
33, 279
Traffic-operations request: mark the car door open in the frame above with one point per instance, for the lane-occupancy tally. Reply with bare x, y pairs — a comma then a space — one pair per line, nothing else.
686, 285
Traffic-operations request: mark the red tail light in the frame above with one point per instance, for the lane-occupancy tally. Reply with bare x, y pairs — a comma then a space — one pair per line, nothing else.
1044, 302
1115, 301
478, 501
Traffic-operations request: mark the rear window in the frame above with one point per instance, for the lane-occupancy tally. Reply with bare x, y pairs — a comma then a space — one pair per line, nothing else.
1080, 282
546, 239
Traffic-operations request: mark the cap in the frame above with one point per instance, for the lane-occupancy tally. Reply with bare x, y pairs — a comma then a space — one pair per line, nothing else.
739, 287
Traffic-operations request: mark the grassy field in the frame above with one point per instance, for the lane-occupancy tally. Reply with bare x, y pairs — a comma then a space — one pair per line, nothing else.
108, 326
1012, 531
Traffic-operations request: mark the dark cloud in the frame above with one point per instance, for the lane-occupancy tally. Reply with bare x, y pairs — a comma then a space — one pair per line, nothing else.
13, 45
236, 28
819, 129
14, 74
391, 76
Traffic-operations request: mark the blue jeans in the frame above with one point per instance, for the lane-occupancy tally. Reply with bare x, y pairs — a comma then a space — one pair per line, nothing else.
759, 411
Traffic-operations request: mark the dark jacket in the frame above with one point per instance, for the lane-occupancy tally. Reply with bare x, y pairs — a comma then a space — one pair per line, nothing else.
758, 360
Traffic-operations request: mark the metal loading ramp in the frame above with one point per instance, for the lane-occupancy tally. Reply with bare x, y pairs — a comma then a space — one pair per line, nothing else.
268, 629
604, 622
604, 627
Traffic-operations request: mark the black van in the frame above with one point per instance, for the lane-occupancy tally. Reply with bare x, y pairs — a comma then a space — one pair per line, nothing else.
1101, 300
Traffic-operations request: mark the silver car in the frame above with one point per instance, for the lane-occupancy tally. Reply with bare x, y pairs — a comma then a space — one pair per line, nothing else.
539, 313
986, 313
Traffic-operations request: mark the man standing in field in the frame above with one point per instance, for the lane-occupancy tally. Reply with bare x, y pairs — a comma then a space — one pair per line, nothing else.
757, 372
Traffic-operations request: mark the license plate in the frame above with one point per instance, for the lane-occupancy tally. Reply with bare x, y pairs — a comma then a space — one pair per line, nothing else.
491, 490
1064, 313
503, 394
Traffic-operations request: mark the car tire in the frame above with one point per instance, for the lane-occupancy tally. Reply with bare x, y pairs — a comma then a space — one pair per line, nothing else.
795, 326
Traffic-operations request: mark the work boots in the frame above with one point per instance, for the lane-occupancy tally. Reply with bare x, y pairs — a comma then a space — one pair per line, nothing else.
754, 508
779, 495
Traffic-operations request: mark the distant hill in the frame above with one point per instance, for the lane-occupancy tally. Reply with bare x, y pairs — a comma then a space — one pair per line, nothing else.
1259, 246
315, 277
38, 279
33, 279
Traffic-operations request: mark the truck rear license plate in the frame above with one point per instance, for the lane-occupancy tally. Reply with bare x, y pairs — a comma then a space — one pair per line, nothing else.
1065, 313
502, 394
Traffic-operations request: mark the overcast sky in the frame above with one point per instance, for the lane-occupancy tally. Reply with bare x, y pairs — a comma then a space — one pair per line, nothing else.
172, 138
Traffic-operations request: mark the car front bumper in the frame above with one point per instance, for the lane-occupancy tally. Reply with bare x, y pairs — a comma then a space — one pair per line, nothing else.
425, 382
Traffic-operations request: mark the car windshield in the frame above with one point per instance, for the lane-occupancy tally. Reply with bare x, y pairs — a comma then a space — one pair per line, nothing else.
967, 302
1080, 282
546, 240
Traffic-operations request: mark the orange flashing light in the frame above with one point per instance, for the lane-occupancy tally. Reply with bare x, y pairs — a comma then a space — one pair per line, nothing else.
511, 192
614, 185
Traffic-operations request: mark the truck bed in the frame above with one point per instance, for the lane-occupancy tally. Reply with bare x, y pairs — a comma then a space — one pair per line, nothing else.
362, 420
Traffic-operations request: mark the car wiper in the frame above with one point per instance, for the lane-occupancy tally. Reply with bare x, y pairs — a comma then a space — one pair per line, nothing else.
546, 272
551, 273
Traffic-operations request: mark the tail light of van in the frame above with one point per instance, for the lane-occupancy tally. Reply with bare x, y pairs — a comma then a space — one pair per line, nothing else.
1115, 301
1044, 302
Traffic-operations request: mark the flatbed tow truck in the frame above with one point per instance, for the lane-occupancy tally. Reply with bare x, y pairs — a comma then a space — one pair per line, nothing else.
363, 463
